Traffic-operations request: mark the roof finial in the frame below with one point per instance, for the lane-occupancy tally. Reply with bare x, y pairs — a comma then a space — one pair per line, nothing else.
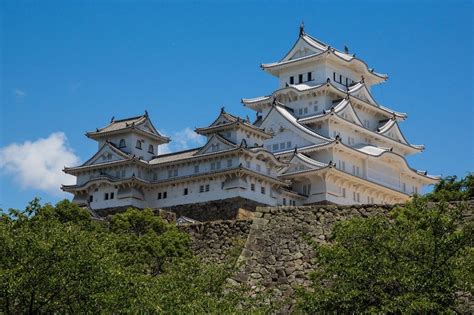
112, 119
222, 109
346, 49
274, 101
296, 150
302, 28
146, 113
361, 79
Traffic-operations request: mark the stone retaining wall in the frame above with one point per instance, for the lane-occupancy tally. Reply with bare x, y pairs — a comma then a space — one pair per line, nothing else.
226, 209
217, 241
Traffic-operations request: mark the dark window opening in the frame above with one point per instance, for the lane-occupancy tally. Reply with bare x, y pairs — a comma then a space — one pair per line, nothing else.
150, 149
106, 196
310, 76
139, 144
292, 80
111, 195
334, 76
159, 195
300, 78
165, 194
185, 191
122, 143
91, 198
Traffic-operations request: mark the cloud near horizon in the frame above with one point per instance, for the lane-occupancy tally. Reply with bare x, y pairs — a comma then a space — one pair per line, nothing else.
181, 140
38, 164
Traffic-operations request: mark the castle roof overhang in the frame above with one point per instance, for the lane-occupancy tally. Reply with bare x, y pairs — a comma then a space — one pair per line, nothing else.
365, 151
279, 108
246, 126
330, 169
134, 181
259, 103
332, 114
132, 124
323, 52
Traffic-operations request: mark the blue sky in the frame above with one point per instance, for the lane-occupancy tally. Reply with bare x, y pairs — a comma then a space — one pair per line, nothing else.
68, 67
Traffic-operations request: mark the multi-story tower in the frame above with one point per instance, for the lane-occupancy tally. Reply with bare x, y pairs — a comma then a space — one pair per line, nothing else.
342, 146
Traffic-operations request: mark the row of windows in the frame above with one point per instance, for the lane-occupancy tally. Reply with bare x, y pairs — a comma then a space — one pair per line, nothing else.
291, 202
138, 145
262, 188
309, 77
280, 146
339, 78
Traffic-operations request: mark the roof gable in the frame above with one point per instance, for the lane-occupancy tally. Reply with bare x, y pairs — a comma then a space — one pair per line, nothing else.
392, 130
300, 162
216, 143
303, 47
106, 154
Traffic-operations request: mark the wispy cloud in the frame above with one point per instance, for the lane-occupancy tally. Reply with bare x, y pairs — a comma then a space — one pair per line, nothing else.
182, 140
19, 93
38, 164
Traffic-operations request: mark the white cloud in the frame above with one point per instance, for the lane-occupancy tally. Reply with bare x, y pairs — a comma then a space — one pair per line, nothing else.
19, 93
38, 164
182, 140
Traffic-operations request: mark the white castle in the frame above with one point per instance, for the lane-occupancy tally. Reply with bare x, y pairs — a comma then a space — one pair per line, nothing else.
319, 138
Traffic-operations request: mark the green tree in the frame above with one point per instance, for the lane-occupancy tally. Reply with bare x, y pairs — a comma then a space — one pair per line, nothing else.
414, 261
452, 189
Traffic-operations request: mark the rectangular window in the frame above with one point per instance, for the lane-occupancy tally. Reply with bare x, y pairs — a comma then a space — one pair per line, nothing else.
175, 173
310, 77
159, 195
305, 110
275, 147
213, 166
300, 111
340, 79
284, 201
347, 82
292, 80
106, 196
185, 192
229, 163
196, 168
123, 173
300, 78
269, 147
334, 76
170, 173
262, 190
201, 188
258, 168
165, 194
288, 145
155, 176
282, 145
252, 187
207, 187
354, 196
111, 195
91, 198
218, 165
247, 163
315, 108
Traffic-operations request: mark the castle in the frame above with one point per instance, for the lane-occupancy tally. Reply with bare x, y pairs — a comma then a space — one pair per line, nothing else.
319, 138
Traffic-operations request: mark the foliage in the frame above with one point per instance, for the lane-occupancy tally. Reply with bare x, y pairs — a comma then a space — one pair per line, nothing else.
412, 262
452, 189
55, 259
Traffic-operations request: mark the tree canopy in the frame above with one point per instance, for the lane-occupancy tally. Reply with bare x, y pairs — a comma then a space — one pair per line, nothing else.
411, 262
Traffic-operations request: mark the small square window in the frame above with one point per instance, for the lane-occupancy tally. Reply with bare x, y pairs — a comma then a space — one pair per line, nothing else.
207, 187
201, 188
305, 110
165, 194
106, 196
300, 78
159, 195
91, 198
310, 76
288, 145
252, 187
282, 145
111, 195
275, 147
185, 192
292, 80
262, 190
284, 201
